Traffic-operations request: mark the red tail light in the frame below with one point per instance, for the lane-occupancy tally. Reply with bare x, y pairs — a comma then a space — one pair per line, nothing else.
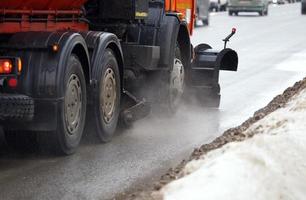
13, 82
6, 66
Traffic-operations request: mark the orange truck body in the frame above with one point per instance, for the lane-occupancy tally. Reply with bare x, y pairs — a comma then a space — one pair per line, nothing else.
51, 8
185, 8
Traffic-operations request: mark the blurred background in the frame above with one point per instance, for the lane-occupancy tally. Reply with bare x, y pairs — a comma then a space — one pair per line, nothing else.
236, 7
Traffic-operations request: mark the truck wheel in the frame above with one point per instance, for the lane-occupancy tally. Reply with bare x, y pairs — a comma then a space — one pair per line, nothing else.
22, 141
176, 82
230, 13
107, 97
261, 13
71, 113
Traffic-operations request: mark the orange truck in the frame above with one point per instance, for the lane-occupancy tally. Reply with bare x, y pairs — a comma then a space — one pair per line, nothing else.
64, 63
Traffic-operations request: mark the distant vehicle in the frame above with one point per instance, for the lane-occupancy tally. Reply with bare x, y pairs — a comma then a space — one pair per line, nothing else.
203, 12
291, 1
236, 6
279, 1
218, 5
303, 7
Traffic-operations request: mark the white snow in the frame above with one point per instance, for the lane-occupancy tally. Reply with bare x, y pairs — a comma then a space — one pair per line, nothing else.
296, 62
271, 165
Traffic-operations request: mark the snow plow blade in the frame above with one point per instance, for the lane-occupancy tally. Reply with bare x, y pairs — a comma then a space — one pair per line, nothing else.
204, 73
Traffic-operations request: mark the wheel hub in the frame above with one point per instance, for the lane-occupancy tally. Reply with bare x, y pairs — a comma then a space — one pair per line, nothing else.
177, 81
73, 103
108, 96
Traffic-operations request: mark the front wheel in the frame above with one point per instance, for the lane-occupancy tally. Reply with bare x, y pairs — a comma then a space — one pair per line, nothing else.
171, 85
71, 112
176, 82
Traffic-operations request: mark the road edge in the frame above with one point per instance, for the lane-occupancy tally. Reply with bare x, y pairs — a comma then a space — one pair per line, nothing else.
235, 134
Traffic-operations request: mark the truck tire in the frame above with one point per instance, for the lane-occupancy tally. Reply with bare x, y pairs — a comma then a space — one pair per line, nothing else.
22, 141
71, 112
176, 82
107, 97
169, 86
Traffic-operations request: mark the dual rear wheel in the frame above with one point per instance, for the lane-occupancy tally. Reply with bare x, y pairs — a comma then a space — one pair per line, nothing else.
71, 116
71, 113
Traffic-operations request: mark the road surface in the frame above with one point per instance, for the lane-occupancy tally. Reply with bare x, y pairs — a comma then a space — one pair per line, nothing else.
272, 53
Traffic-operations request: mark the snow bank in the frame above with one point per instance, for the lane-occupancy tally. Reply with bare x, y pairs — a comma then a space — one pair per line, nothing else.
270, 165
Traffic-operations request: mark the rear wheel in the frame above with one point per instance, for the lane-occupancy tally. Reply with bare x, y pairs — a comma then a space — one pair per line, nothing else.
71, 112
230, 13
107, 97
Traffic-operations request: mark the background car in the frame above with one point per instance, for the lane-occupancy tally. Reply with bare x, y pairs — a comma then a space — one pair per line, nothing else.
236, 6
280, 2
218, 5
303, 7
202, 12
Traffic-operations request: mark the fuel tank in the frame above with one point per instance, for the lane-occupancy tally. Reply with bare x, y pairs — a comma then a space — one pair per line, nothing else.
41, 4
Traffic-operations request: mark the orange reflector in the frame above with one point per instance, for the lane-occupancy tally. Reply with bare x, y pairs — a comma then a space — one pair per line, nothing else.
19, 65
55, 47
13, 82
6, 66
181, 16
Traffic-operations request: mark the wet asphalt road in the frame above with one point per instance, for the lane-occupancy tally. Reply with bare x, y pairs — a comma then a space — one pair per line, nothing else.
272, 54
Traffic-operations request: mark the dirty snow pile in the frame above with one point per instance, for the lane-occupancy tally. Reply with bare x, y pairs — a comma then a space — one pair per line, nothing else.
271, 165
